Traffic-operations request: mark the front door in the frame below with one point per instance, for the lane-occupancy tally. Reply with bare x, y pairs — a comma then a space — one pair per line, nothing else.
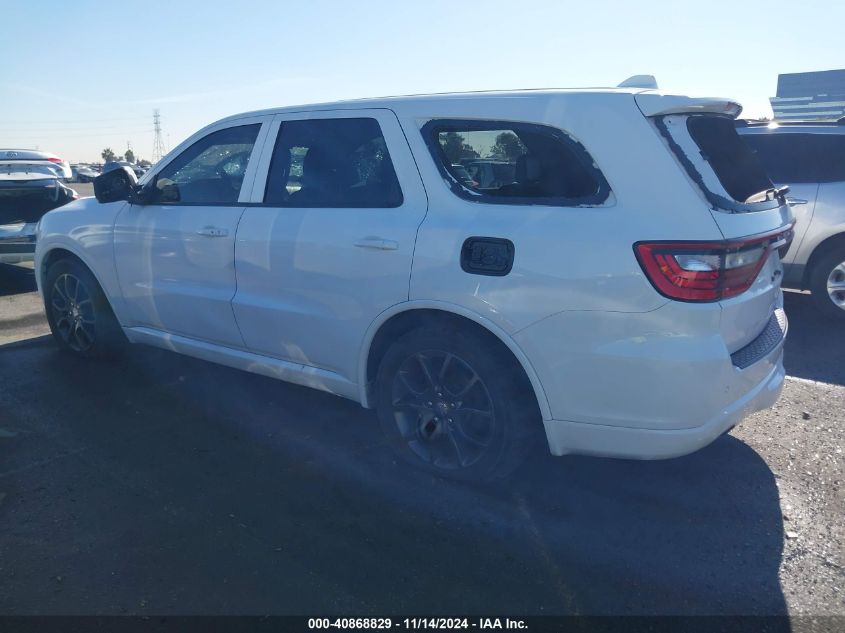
175, 254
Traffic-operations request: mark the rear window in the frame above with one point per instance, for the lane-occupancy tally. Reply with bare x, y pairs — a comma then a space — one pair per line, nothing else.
735, 165
799, 158
514, 163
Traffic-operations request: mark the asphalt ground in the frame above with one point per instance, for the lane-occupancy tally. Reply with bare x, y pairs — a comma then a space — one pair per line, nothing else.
160, 484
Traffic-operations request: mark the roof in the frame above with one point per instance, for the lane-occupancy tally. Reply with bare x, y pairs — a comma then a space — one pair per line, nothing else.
390, 101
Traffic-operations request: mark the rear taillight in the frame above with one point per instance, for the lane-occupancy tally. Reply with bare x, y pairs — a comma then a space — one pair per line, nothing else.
707, 271
54, 159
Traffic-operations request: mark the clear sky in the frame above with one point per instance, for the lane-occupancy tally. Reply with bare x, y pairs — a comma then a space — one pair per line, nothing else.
78, 76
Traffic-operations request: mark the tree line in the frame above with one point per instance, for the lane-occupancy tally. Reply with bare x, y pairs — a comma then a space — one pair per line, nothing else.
108, 155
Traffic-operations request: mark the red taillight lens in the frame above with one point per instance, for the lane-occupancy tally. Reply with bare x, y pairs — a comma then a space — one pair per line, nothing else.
56, 160
707, 271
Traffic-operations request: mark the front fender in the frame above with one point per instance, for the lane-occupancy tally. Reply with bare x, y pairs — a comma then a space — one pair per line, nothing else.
84, 228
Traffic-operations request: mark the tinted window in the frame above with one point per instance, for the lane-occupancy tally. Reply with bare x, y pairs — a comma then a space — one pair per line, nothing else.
210, 171
795, 158
332, 163
514, 163
737, 168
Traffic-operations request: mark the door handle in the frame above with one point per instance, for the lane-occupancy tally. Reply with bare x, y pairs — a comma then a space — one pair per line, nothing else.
213, 231
377, 243
796, 201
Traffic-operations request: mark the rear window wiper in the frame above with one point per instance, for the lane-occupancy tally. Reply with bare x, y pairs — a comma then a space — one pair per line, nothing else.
772, 193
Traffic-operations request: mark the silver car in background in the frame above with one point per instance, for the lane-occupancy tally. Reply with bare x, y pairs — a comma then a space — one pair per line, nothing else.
809, 157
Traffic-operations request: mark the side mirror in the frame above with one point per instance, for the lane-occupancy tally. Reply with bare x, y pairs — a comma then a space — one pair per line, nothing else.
115, 185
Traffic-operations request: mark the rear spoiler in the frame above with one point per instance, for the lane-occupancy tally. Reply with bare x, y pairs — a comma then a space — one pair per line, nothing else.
653, 104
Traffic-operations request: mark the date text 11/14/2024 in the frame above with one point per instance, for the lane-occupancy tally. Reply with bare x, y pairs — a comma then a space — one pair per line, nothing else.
417, 623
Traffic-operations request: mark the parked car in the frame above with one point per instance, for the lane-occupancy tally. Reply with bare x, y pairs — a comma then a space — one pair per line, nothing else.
36, 157
117, 164
461, 173
27, 192
809, 158
491, 173
83, 173
619, 296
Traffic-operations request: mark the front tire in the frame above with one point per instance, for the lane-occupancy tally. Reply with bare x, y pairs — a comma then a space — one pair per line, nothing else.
454, 404
80, 318
827, 284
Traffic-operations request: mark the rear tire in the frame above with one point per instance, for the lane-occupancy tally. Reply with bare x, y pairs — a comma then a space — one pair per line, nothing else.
454, 404
827, 283
80, 317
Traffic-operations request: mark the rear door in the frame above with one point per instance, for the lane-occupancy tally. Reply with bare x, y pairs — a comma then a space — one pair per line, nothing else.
741, 197
331, 244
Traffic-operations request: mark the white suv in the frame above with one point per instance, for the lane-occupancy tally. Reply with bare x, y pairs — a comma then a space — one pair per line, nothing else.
621, 293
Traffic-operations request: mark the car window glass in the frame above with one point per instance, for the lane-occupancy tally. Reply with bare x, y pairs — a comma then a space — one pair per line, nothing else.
332, 163
211, 171
798, 158
739, 172
514, 163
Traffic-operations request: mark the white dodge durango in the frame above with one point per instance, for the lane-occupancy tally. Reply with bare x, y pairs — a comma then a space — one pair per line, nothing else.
598, 268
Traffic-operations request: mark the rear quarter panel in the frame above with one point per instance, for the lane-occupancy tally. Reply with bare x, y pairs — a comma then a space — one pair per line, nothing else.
566, 258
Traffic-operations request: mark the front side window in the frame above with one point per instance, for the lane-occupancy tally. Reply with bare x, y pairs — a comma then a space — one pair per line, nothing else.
800, 158
210, 172
514, 163
332, 163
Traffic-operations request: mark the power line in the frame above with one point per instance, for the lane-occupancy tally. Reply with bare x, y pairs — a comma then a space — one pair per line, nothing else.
4, 137
158, 142
62, 121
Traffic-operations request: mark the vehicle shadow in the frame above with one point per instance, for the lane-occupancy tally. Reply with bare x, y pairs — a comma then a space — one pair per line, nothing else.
224, 492
814, 343
16, 279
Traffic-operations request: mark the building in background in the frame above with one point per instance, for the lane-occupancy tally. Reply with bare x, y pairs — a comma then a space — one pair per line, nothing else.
810, 96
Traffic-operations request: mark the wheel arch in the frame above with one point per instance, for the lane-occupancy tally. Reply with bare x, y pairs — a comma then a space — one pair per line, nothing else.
60, 251
823, 247
57, 252
404, 317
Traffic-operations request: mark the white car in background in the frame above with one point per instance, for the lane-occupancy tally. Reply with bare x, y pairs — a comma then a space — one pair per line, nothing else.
618, 295
36, 157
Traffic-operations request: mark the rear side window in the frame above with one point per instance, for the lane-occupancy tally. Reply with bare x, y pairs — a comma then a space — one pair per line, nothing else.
798, 158
332, 163
514, 163
735, 165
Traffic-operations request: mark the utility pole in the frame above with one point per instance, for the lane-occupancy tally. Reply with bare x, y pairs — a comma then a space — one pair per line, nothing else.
158, 142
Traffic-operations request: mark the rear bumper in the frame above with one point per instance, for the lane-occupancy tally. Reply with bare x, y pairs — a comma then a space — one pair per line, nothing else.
633, 443
17, 243
652, 385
